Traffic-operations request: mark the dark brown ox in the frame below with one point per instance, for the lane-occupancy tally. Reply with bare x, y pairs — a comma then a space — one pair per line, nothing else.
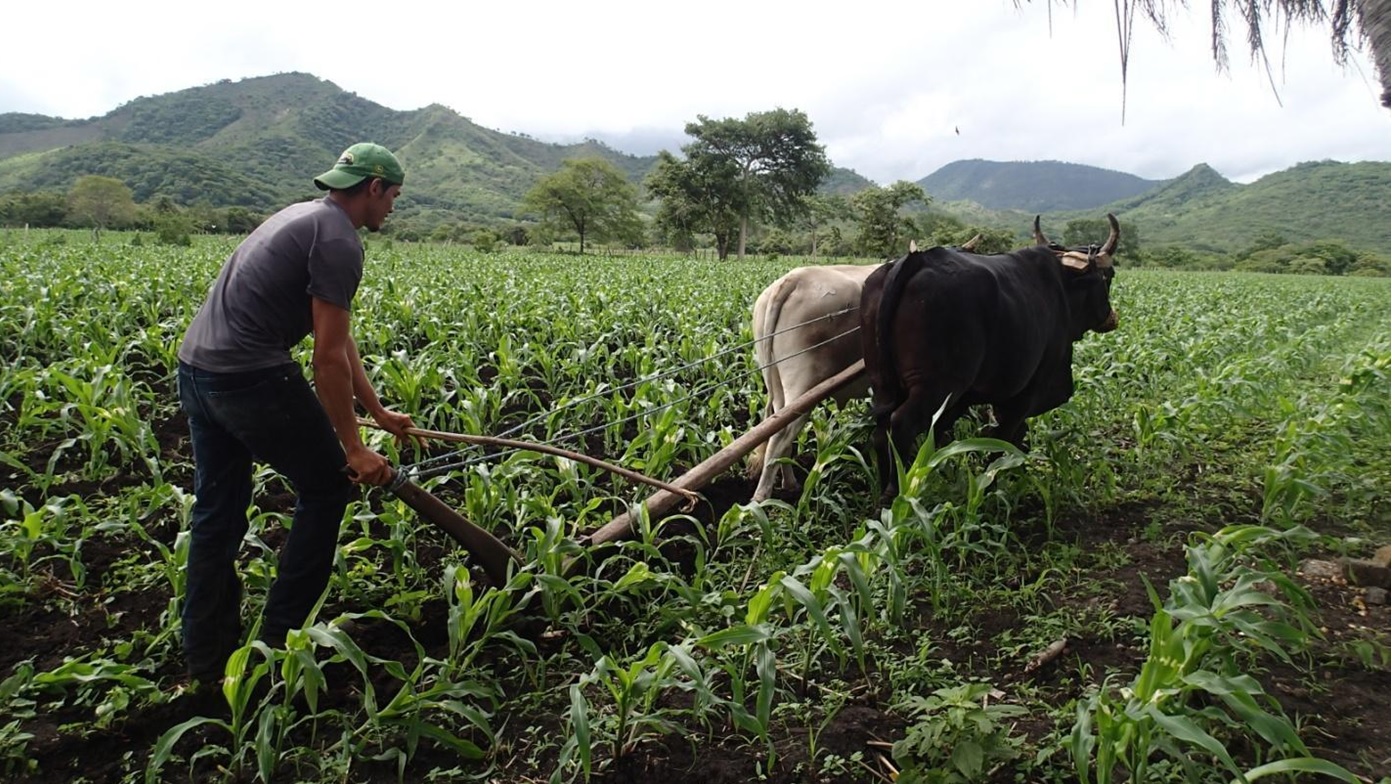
804, 325
943, 330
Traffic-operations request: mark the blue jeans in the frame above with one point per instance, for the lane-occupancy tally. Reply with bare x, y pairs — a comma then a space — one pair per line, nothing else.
271, 416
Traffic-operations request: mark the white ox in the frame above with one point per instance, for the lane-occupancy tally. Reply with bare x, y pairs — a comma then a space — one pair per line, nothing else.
796, 358
804, 333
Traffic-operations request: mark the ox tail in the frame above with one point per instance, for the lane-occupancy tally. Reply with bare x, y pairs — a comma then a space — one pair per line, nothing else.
896, 279
765, 325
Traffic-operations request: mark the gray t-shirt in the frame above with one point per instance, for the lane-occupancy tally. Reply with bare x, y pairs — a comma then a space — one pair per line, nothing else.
259, 306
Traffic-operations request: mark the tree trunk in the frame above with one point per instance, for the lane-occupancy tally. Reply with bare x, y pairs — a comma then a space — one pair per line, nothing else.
744, 231
1373, 22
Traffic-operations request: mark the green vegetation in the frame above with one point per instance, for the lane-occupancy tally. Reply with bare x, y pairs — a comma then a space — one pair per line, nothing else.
591, 197
884, 229
736, 175
256, 143
1233, 425
1311, 202
101, 203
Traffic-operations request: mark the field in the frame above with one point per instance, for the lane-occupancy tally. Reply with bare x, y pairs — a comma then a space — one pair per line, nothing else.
1134, 599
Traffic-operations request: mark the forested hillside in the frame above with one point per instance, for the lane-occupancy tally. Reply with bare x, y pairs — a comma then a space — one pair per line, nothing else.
254, 145
1324, 200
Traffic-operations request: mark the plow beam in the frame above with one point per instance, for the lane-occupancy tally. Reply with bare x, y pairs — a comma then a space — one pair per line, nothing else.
493, 556
621, 527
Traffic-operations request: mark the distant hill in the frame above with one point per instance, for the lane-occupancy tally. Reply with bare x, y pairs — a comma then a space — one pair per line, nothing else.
1323, 200
258, 142
1032, 186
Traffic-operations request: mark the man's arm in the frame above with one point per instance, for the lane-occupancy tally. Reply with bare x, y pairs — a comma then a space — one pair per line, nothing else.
391, 421
336, 371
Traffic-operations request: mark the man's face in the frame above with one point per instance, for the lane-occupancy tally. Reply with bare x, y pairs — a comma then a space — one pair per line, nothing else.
381, 201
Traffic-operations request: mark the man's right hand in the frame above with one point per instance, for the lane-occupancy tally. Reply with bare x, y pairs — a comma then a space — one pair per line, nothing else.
366, 467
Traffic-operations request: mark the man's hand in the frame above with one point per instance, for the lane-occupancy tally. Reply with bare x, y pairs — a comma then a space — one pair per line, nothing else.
366, 467
397, 424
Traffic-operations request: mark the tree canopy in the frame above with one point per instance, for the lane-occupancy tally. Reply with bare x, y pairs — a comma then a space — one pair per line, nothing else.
101, 202
697, 195
773, 156
591, 196
884, 232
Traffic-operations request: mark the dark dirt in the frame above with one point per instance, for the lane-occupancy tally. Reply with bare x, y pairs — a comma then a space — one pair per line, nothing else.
1344, 716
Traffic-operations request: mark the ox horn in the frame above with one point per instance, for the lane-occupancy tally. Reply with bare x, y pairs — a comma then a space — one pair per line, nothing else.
913, 246
970, 245
1109, 247
1039, 238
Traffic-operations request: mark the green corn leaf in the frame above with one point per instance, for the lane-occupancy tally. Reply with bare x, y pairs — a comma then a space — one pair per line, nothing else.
1183, 729
164, 747
1300, 765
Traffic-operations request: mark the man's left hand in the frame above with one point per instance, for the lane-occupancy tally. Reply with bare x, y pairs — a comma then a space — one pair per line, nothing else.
397, 424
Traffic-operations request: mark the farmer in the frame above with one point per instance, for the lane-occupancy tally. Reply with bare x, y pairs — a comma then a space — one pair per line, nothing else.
246, 400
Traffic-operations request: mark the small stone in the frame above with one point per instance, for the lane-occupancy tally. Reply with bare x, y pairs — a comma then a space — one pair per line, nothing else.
1320, 570
1376, 597
1361, 571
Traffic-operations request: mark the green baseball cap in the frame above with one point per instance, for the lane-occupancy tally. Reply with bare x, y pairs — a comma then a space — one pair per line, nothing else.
358, 162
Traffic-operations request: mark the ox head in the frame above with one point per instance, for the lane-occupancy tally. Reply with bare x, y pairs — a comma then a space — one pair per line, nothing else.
1088, 271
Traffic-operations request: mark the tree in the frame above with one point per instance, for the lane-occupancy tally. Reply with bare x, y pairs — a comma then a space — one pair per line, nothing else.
776, 161
1351, 22
37, 209
883, 231
1338, 258
101, 202
818, 211
698, 195
992, 240
241, 220
591, 196
1094, 231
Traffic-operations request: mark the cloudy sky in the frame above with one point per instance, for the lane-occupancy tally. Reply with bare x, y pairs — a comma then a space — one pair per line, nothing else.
894, 89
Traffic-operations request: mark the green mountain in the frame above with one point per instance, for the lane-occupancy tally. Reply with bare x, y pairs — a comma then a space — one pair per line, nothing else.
1201, 210
257, 143
1032, 186
1324, 200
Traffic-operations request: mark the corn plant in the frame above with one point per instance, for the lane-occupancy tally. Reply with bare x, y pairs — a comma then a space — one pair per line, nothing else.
1200, 638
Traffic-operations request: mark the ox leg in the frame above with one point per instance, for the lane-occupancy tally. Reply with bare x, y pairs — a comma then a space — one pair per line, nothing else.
942, 431
884, 460
778, 447
910, 420
1011, 426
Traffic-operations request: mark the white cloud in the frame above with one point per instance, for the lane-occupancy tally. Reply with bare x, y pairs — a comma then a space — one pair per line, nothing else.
894, 90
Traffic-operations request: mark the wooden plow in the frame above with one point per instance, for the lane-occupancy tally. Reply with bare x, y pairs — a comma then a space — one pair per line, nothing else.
495, 557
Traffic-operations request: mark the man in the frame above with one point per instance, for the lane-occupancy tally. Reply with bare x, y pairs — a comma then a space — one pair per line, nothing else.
246, 399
